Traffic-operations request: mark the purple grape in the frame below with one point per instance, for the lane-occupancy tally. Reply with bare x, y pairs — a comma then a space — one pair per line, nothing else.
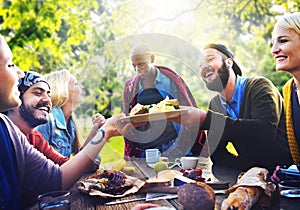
192, 174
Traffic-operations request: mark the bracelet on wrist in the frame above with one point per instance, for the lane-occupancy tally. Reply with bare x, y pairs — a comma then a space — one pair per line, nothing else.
102, 137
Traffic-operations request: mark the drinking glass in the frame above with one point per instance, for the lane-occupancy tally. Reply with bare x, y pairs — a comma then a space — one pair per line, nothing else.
57, 200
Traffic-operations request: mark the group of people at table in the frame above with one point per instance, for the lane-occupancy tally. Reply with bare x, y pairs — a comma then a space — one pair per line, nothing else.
249, 112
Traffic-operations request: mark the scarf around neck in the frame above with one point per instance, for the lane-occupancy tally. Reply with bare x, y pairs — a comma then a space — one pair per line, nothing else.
287, 97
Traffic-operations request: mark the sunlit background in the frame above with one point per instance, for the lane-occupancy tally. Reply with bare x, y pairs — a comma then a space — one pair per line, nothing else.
92, 39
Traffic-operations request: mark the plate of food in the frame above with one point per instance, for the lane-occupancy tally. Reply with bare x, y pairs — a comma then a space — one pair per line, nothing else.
166, 109
110, 184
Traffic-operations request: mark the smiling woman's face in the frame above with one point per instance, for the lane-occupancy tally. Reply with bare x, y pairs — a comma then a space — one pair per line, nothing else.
75, 91
286, 49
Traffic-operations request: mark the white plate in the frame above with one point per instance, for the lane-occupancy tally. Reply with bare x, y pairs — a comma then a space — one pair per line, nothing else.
151, 165
294, 193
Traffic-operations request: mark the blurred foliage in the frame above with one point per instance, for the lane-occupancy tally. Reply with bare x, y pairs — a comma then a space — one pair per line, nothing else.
86, 38
247, 32
49, 35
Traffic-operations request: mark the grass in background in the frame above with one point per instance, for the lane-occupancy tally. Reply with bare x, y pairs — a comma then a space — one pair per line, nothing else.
113, 150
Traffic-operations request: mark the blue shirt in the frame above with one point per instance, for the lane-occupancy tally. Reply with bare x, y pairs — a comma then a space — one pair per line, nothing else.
58, 132
9, 186
233, 107
166, 88
163, 85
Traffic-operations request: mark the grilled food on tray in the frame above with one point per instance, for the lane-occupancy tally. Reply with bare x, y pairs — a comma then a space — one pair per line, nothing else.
112, 182
162, 106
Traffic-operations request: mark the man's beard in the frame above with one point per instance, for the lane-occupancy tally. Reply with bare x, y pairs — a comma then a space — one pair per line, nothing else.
28, 115
220, 82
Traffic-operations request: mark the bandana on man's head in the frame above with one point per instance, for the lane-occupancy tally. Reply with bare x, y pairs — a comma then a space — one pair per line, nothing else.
30, 79
223, 49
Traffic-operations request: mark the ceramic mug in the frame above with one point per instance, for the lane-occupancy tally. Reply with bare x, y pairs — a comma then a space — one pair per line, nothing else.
187, 162
152, 155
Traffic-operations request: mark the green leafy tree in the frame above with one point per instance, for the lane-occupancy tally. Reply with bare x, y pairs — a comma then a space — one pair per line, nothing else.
246, 26
46, 35
101, 74
49, 35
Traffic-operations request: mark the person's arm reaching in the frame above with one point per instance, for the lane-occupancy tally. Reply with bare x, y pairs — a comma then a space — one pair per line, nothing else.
73, 169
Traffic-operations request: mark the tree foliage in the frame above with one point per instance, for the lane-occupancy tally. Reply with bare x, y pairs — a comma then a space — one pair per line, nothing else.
248, 26
46, 35
82, 36
49, 35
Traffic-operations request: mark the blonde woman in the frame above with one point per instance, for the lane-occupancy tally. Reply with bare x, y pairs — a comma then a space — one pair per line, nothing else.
286, 51
61, 131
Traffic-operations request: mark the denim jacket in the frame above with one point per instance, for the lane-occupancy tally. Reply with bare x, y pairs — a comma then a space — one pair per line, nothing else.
57, 134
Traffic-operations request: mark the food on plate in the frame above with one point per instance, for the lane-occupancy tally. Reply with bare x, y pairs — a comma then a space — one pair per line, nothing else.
196, 195
243, 198
119, 165
163, 106
194, 174
128, 169
168, 174
112, 182
138, 109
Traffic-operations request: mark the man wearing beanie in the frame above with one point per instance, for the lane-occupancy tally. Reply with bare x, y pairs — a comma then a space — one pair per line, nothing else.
34, 111
247, 112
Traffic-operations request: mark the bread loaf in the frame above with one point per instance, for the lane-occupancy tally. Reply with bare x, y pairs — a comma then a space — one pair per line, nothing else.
195, 196
243, 198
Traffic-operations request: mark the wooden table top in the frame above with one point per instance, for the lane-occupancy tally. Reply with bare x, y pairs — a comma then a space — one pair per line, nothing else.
81, 200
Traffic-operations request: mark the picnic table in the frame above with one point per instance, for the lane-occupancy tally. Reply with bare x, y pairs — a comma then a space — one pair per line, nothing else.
142, 171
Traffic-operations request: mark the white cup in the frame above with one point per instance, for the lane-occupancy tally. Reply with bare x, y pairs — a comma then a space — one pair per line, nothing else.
187, 162
152, 155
